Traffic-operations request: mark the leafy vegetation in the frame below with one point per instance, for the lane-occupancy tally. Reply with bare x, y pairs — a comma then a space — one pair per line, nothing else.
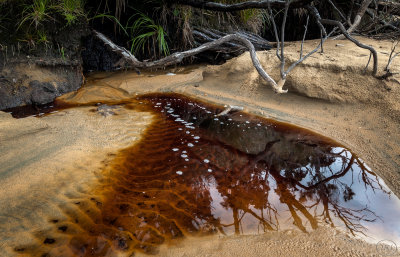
35, 13
151, 29
71, 10
145, 33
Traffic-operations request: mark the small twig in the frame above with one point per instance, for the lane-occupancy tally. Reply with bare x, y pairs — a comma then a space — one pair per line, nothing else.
315, 13
390, 61
228, 109
271, 16
391, 57
337, 10
283, 74
322, 44
395, 80
366, 66
304, 37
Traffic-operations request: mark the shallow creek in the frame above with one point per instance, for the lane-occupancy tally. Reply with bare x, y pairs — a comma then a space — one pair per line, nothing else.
195, 173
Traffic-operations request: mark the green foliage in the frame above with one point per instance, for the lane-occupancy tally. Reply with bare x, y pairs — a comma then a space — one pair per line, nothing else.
42, 37
36, 13
112, 18
71, 10
145, 32
41, 11
248, 14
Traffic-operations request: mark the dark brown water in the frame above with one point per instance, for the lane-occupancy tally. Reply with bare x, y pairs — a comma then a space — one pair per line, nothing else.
196, 174
33, 110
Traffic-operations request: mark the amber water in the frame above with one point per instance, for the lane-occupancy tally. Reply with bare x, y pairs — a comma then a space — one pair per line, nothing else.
195, 173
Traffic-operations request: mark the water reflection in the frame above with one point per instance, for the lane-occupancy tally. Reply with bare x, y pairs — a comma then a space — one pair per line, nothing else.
196, 174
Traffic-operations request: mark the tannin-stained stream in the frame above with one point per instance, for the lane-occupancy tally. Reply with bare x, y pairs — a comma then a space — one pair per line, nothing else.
194, 173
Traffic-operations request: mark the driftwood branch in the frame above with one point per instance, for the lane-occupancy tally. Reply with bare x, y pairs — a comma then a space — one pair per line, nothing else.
355, 41
283, 75
179, 56
357, 19
359, 15
382, 22
394, 6
202, 35
228, 109
271, 17
304, 37
263, 4
392, 56
316, 15
281, 42
337, 10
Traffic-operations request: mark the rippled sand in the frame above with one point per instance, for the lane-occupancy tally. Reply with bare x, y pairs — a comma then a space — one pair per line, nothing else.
50, 161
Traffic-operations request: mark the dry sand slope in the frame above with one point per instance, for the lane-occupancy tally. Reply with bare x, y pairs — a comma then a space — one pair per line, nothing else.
48, 162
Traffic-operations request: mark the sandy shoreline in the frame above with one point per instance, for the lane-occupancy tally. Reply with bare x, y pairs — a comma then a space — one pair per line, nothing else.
327, 94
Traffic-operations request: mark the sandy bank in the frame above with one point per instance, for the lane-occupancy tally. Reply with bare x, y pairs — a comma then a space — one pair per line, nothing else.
48, 162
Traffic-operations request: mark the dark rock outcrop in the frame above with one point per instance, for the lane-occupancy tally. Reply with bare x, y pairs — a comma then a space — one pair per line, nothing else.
25, 84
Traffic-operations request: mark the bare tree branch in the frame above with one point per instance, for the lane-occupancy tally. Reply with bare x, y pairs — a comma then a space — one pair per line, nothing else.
316, 15
271, 17
228, 109
337, 10
281, 42
391, 56
179, 56
366, 66
359, 44
304, 37
359, 15
381, 21
283, 39
263, 4
357, 19
310, 53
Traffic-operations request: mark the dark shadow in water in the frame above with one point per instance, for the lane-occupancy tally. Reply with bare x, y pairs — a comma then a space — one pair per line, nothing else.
197, 174
32, 110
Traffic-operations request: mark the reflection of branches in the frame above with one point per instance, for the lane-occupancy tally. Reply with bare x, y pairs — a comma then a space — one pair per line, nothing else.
322, 186
369, 181
310, 180
351, 218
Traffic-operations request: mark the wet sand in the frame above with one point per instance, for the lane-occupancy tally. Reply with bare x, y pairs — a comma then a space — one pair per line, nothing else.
52, 161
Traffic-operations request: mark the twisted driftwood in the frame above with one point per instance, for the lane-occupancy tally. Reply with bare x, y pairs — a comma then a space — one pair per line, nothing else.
179, 56
373, 52
263, 4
